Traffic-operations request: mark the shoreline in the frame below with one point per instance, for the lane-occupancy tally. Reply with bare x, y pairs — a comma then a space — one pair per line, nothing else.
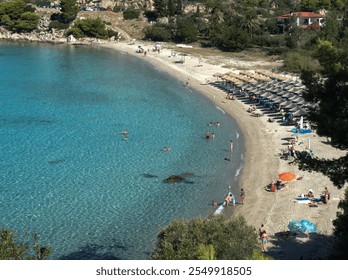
262, 162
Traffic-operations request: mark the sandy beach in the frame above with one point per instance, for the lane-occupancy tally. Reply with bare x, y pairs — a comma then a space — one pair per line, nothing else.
263, 163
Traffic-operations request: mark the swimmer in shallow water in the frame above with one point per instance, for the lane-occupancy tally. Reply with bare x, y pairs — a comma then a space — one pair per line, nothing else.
167, 149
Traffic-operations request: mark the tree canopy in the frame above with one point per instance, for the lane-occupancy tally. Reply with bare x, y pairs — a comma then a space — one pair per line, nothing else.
94, 28
69, 10
16, 15
207, 239
14, 247
328, 90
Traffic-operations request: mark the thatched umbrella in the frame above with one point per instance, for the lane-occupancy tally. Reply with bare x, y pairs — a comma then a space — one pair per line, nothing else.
300, 112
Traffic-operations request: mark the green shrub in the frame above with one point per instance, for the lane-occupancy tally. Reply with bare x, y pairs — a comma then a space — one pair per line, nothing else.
112, 33
16, 16
55, 24
155, 33
94, 28
277, 50
131, 14
269, 40
117, 9
297, 61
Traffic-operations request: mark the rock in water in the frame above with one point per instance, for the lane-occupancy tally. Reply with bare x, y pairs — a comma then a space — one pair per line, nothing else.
174, 179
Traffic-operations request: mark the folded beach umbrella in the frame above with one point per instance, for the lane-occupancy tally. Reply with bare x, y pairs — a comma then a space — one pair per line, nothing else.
287, 176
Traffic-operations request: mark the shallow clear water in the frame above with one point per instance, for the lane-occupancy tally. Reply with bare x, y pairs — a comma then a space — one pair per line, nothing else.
66, 171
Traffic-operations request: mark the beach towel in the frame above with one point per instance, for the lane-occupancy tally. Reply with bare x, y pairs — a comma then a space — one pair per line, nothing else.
301, 131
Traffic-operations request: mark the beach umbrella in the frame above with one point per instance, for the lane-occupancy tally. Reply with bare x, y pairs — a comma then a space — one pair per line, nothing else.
218, 75
299, 112
287, 105
300, 101
295, 98
281, 93
268, 95
287, 176
287, 95
277, 100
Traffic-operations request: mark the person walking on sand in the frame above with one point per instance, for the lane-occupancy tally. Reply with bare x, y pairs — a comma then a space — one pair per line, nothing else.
242, 196
264, 240
326, 195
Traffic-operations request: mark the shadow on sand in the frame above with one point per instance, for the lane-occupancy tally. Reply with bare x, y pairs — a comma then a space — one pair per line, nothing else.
310, 246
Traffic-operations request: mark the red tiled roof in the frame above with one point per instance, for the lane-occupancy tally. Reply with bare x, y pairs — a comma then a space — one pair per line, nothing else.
301, 15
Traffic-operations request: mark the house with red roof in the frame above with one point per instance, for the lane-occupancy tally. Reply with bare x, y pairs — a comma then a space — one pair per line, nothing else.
304, 20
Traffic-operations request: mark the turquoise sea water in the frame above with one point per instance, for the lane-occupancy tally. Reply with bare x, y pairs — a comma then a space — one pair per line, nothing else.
66, 171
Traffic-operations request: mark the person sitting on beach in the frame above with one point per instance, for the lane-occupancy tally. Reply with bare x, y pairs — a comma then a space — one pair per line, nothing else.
273, 186
309, 194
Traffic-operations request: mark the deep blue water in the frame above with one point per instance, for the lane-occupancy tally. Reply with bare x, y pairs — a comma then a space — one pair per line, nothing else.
66, 171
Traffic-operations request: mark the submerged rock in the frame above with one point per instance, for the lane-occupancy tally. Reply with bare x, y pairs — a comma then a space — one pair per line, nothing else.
148, 175
174, 179
180, 178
